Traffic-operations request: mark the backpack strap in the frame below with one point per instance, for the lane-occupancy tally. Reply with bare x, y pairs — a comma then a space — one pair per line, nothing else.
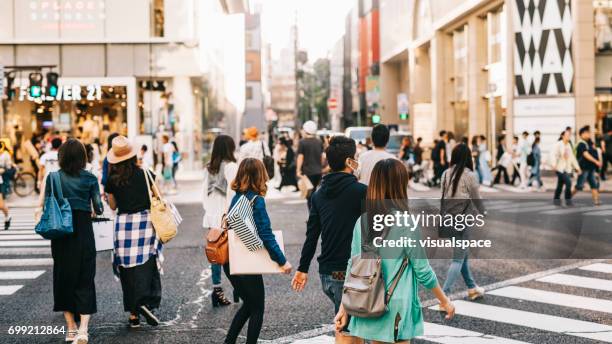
395, 280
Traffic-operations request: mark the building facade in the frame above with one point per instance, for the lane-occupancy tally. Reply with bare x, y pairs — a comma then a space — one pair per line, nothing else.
254, 110
495, 67
138, 79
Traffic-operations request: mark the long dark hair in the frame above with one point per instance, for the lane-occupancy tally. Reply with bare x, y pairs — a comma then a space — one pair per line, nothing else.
119, 174
72, 157
461, 158
223, 150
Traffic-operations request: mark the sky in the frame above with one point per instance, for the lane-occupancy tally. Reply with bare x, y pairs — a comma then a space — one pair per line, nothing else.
320, 23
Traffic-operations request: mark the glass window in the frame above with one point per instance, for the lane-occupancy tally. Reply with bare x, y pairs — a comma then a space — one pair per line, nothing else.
495, 33
460, 63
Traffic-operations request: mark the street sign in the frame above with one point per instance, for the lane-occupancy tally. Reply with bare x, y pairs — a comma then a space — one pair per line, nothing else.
402, 106
332, 103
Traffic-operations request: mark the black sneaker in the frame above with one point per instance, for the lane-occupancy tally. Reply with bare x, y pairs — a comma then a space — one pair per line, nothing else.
134, 322
149, 316
7, 223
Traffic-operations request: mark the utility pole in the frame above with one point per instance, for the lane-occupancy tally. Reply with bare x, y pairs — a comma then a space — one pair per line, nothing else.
295, 61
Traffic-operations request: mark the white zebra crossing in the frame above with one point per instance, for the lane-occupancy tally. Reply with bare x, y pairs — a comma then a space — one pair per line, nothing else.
451, 335
578, 281
21, 241
598, 267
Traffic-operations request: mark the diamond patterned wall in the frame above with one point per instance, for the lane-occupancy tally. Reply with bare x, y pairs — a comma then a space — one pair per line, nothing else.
543, 47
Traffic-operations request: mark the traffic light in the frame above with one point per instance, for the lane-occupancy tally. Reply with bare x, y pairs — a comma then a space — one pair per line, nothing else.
52, 84
403, 116
10, 80
35, 84
376, 118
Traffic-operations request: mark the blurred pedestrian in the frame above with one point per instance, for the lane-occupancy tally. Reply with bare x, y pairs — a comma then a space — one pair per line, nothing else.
137, 251
218, 177
336, 205
536, 167
144, 158
310, 157
504, 161
253, 147
250, 182
450, 144
516, 158
484, 158
74, 255
6, 163
176, 159
524, 149
460, 196
287, 164
367, 160
418, 151
389, 184
607, 152
564, 162
439, 157
168, 164
589, 160
474, 146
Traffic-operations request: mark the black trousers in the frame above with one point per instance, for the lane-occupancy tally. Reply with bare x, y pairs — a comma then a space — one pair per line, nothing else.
141, 285
315, 179
563, 179
438, 170
501, 171
251, 290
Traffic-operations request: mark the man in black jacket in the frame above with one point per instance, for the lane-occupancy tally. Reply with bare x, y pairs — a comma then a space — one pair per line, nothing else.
335, 207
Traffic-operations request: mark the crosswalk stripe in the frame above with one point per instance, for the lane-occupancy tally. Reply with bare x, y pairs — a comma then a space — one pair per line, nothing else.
598, 267
550, 323
451, 335
578, 281
13, 232
24, 251
516, 205
553, 298
9, 289
600, 213
572, 210
25, 243
316, 340
21, 237
15, 275
26, 262
530, 209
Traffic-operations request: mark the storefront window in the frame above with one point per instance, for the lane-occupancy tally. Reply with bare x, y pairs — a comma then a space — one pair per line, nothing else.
603, 25
494, 28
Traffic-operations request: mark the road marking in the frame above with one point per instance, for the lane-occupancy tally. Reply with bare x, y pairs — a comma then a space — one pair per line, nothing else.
516, 205
450, 335
550, 323
317, 340
9, 289
578, 281
600, 213
297, 201
21, 237
13, 232
25, 243
488, 189
530, 210
25, 251
26, 262
553, 298
573, 210
15, 275
598, 267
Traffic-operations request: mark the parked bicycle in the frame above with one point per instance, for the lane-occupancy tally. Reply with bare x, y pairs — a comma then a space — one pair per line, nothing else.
23, 183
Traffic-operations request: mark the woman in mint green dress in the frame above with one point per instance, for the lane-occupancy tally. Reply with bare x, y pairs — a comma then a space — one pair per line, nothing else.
404, 318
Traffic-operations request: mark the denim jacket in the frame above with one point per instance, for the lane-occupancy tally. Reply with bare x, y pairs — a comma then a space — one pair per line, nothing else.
262, 221
81, 191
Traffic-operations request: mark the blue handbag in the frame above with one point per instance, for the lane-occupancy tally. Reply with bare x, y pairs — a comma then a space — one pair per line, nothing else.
56, 219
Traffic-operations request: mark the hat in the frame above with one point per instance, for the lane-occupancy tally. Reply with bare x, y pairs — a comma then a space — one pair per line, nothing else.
310, 127
251, 133
122, 150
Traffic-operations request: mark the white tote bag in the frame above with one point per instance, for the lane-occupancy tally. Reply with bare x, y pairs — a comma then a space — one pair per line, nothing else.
245, 262
103, 229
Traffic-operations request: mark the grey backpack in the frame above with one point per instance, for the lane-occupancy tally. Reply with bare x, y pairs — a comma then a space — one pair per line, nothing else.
364, 294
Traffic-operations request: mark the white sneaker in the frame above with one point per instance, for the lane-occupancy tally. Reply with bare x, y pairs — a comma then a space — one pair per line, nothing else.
476, 293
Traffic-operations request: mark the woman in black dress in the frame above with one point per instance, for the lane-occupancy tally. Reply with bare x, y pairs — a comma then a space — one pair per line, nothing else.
74, 256
287, 165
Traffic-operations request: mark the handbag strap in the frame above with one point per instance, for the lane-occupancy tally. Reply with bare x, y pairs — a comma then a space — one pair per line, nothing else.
395, 280
146, 173
55, 179
263, 149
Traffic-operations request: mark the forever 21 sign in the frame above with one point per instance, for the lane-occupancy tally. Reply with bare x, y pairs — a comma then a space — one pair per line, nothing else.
65, 93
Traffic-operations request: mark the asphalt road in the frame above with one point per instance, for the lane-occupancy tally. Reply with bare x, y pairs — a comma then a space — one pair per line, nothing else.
188, 316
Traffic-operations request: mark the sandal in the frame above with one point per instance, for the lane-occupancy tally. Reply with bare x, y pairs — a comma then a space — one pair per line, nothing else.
71, 335
82, 338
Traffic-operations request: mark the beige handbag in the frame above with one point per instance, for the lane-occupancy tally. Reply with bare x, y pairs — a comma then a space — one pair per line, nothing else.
161, 213
364, 294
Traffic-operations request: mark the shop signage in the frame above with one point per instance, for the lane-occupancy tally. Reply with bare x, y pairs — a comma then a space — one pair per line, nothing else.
65, 93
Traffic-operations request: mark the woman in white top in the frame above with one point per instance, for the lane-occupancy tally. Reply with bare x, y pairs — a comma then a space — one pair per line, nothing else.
6, 162
564, 162
218, 177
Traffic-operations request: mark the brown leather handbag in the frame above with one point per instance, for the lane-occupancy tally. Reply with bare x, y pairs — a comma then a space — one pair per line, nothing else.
217, 247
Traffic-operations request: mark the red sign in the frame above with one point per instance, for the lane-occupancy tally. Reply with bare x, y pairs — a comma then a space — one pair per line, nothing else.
332, 103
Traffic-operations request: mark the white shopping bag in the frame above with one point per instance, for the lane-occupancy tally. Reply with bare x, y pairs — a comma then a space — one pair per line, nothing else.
245, 262
103, 229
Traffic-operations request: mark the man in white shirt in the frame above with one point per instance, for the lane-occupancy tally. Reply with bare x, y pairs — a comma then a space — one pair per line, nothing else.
367, 160
49, 162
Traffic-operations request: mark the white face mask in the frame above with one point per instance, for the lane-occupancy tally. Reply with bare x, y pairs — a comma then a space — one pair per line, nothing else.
352, 164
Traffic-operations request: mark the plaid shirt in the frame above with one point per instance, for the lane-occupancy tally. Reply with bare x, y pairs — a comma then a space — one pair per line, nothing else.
135, 240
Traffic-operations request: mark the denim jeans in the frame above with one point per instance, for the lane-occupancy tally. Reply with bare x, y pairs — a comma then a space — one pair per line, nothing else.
216, 274
563, 179
458, 266
590, 176
536, 174
333, 289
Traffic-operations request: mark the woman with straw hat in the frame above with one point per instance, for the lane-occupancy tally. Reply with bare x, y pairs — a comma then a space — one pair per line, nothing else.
138, 252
